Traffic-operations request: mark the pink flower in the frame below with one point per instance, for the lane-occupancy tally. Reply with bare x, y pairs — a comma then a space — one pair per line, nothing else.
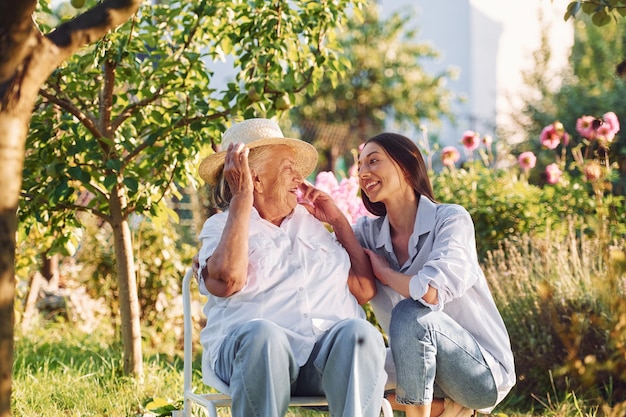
609, 127
584, 126
326, 181
611, 119
450, 156
553, 173
527, 160
550, 138
487, 140
470, 140
554, 134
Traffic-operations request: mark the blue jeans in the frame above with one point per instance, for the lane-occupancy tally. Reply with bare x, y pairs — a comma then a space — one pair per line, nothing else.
346, 365
436, 358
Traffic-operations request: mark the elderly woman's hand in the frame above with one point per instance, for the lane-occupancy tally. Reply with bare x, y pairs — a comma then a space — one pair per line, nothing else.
237, 170
320, 204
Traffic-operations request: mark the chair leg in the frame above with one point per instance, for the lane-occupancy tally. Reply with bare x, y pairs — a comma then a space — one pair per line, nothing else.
387, 410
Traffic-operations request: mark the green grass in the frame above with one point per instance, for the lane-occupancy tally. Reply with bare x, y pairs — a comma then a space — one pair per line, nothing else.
59, 371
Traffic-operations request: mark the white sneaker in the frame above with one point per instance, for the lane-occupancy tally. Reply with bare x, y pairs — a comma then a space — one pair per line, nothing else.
452, 409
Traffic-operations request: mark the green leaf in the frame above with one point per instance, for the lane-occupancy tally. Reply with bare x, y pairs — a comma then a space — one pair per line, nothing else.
601, 18
110, 181
589, 8
132, 184
79, 174
113, 164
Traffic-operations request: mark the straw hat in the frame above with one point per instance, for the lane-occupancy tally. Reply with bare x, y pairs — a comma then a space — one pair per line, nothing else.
254, 133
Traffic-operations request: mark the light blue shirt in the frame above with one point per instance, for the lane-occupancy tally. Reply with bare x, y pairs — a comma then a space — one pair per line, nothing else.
442, 253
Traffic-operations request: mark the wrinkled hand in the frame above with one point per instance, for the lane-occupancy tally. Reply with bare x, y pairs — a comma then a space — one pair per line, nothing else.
237, 170
379, 265
319, 204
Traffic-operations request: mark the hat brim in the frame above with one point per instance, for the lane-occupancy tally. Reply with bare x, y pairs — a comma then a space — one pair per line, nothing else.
306, 158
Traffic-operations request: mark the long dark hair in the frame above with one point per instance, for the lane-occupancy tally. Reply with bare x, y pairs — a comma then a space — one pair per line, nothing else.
411, 162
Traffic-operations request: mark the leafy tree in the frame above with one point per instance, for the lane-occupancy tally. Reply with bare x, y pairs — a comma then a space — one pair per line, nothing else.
385, 79
119, 127
139, 136
27, 57
600, 11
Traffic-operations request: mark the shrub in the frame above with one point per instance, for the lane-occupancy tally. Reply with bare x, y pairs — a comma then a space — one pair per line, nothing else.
562, 300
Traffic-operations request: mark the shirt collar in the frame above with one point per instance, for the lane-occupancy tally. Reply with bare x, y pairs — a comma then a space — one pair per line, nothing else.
424, 221
425, 217
254, 214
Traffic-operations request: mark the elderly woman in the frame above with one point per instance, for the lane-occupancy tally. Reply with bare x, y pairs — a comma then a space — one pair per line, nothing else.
282, 317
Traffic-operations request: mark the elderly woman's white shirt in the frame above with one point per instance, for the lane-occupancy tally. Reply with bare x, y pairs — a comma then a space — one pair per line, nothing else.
442, 253
297, 278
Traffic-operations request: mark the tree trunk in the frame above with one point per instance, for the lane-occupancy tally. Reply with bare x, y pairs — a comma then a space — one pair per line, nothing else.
26, 61
7, 295
13, 127
30, 308
127, 281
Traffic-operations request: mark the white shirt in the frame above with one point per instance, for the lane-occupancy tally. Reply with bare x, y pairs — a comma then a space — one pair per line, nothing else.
297, 278
442, 253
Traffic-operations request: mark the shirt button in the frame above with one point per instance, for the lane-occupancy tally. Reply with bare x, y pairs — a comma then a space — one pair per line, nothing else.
300, 289
306, 315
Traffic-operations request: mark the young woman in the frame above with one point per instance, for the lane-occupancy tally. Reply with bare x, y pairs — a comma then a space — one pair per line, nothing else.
450, 347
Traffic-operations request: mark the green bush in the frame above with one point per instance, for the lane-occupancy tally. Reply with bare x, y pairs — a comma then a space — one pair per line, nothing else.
161, 258
562, 300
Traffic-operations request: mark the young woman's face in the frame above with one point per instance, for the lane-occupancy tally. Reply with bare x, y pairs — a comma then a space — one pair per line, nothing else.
380, 177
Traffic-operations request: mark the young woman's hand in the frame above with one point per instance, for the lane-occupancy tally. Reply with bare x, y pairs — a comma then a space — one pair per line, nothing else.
380, 266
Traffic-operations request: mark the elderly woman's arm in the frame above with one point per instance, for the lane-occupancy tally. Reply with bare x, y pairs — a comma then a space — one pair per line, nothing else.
361, 281
226, 271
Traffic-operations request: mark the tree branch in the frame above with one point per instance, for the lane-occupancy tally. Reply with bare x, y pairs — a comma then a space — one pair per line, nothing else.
181, 123
68, 106
132, 108
91, 25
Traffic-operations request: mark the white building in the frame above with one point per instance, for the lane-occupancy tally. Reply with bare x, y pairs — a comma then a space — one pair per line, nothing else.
490, 43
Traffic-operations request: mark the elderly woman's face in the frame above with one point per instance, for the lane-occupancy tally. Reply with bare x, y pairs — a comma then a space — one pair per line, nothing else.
276, 195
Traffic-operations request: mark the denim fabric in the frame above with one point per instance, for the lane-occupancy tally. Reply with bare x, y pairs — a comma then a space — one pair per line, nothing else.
435, 357
346, 365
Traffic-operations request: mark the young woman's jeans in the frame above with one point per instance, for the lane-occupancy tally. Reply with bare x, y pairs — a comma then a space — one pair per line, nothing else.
436, 358
346, 365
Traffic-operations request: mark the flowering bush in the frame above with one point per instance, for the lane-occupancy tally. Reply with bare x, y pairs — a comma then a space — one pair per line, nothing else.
575, 182
344, 192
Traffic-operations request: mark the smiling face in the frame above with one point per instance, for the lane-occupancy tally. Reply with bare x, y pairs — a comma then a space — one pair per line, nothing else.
380, 177
276, 181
